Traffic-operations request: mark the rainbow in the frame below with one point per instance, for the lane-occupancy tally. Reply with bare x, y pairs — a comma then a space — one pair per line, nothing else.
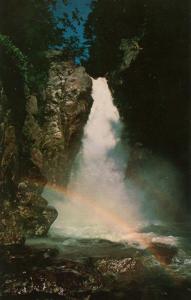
109, 216
113, 219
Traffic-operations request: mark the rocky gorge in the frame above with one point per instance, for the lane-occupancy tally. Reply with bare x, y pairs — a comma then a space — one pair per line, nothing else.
54, 267
36, 147
94, 172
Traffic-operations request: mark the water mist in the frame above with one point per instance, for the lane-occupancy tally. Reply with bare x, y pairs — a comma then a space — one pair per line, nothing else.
96, 203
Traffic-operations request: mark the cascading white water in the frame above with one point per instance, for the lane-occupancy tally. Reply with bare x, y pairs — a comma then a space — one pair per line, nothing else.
98, 178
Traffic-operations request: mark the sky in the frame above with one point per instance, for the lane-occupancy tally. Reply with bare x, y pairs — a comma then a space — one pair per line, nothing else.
82, 5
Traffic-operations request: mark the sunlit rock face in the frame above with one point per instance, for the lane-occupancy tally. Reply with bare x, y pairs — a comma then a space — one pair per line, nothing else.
37, 149
67, 105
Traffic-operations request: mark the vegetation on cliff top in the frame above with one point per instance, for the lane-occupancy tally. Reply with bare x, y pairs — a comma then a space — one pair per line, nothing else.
28, 30
15, 53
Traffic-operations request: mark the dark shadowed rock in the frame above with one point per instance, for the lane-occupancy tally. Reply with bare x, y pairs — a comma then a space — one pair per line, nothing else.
44, 273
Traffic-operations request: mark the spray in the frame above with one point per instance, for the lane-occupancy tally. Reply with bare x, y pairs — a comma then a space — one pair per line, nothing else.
98, 175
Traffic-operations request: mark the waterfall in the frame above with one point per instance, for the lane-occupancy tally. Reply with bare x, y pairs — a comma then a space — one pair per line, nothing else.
98, 205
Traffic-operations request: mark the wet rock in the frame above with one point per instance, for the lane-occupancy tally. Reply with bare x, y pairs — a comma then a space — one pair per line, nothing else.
11, 237
37, 157
39, 147
32, 105
118, 266
10, 227
57, 282
30, 270
163, 252
45, 272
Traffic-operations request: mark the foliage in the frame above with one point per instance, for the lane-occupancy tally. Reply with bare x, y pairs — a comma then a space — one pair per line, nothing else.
34, 28
130, 49
15, 53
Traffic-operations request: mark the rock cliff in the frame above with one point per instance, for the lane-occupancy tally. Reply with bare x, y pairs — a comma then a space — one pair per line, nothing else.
39, 149
147, 66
